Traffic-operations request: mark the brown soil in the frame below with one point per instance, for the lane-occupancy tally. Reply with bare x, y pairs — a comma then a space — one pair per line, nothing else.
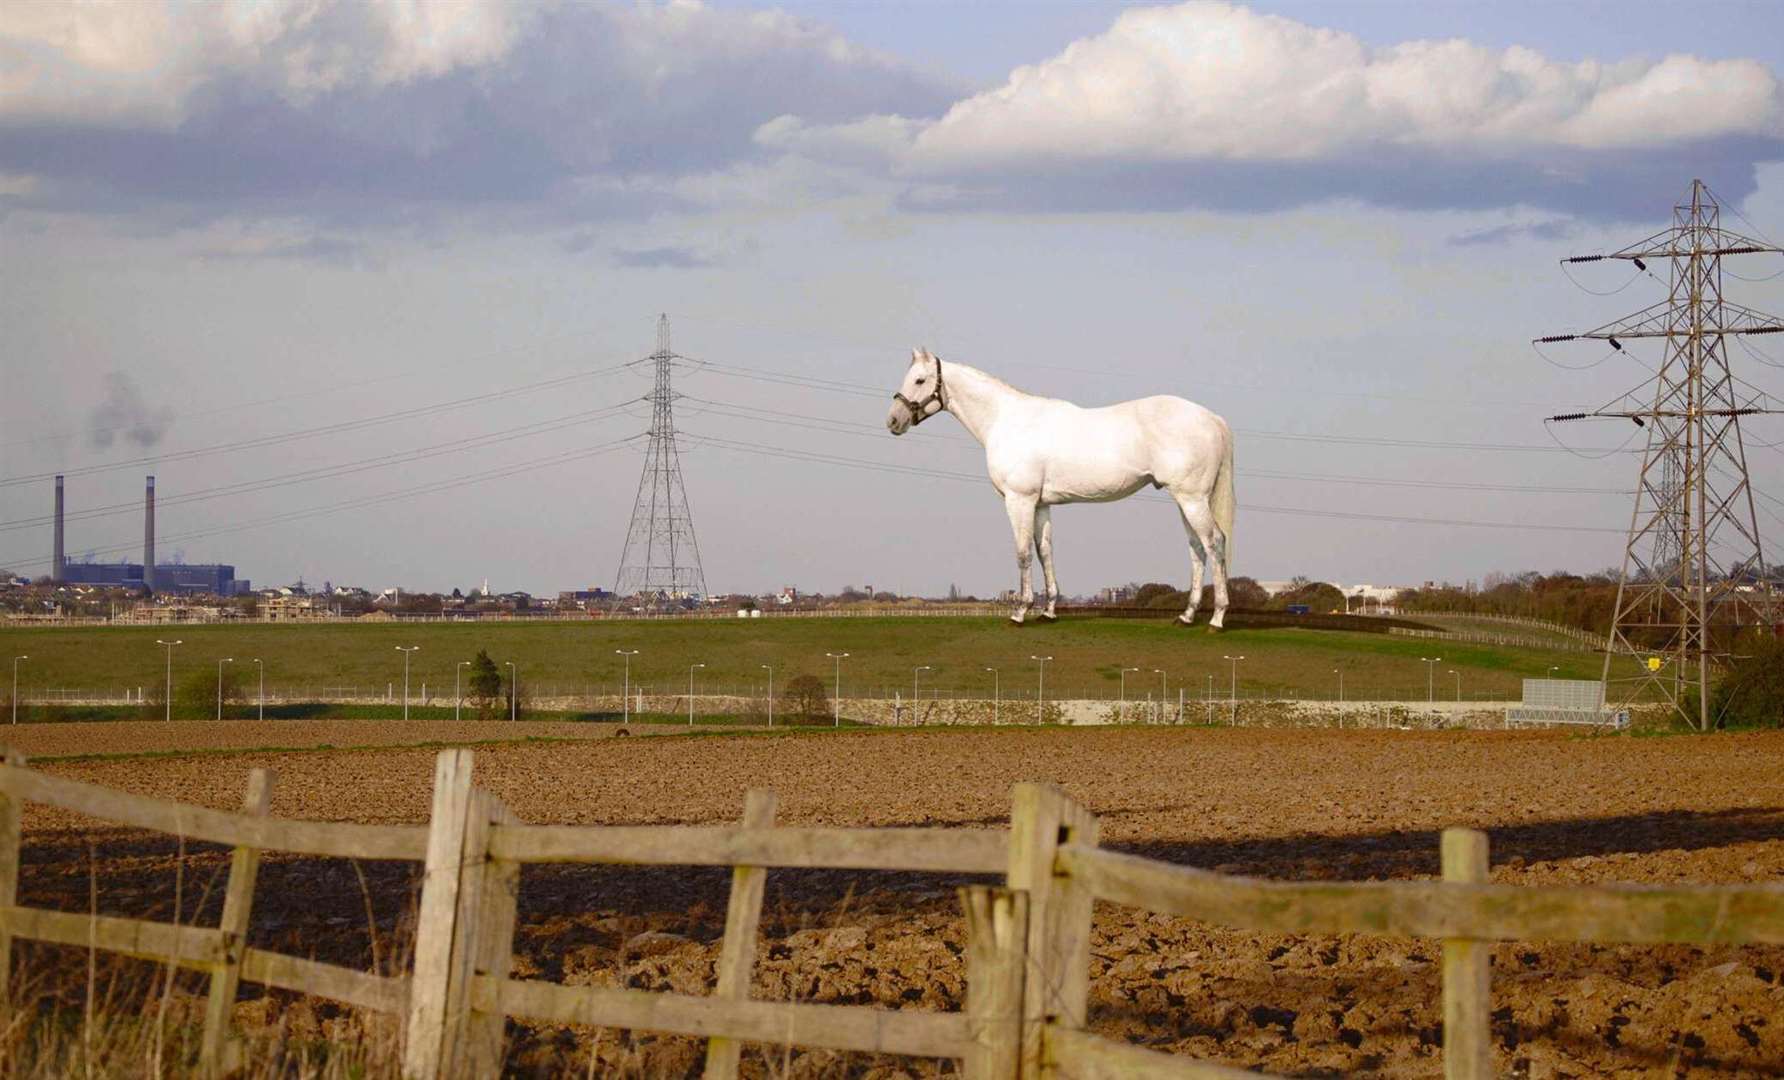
1304, 804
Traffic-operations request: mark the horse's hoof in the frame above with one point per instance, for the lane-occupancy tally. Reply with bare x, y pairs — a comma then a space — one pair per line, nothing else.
1187, 620
1049, 616
1017, 618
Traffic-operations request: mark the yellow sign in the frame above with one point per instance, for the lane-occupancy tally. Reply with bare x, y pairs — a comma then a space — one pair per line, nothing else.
1653, 663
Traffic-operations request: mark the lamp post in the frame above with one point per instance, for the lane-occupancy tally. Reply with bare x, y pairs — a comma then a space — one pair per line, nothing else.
220, 663
261, 669
1040, 693
770, 670
1458, 676
406, 650
625, 693
513, 692
1431, 663
1161, 693
15, 686
836, 702
1234, 719
916, 674
1340, 675
1121, 710
458, 697
996, 695
1552, 670
1208, 700
170, 645
691, 669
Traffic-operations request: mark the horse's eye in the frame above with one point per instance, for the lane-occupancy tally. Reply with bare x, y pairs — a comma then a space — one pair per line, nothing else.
920, 382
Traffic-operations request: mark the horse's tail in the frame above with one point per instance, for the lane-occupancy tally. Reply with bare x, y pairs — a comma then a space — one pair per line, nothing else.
1224, 504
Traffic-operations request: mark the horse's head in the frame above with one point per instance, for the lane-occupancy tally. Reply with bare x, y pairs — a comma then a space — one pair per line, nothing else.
920, 395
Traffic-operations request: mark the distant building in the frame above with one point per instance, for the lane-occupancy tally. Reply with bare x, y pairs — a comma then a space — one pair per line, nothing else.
292, 609
216, 579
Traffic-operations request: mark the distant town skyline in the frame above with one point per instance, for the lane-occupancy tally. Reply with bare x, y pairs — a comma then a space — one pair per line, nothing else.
365, 291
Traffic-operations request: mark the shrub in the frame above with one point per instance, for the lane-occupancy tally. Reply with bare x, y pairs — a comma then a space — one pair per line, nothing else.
804, 699
1751, 692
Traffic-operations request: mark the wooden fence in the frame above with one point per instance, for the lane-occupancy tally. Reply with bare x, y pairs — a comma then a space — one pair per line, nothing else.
1027, 957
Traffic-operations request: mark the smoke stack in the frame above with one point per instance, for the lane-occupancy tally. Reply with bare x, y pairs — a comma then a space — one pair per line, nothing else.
58, 561
148, 536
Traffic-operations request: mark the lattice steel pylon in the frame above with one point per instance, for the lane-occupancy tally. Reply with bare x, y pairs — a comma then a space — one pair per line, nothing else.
661, 559
1693, 576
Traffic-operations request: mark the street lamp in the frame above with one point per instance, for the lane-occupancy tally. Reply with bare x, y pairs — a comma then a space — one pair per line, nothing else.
1040, 693
770, 669
996, 695
1161, 694
513, 691
406, 650
15, 686
170, 645
1234, 719
917, 673
691, 669
1458, 676
625, 693
1340, 675
1552, 670
1431, 663
458, 697
836, 703
1208, 700
261, 668
1121, 711
220, 663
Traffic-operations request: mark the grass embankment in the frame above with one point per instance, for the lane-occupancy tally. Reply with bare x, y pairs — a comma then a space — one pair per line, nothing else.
1088, 656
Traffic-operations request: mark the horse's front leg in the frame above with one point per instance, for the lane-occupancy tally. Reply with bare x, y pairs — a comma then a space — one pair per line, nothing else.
1043, 545
1197, 558
1021, 509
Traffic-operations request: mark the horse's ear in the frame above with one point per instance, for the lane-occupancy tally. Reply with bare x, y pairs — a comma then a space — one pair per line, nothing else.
927, 355
916, 356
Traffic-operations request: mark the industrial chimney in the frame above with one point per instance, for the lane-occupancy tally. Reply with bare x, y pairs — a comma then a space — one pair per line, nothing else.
148, 537
58, 561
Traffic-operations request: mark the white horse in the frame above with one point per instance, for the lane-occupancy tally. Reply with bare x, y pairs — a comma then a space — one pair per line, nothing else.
1042, 451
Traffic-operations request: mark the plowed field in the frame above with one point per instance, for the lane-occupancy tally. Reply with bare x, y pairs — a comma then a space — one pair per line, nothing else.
1302, 804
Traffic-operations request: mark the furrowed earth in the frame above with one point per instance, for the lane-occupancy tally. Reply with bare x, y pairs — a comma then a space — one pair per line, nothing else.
1288, 804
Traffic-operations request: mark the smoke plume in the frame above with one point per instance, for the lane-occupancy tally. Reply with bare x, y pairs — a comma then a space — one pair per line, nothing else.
127, 415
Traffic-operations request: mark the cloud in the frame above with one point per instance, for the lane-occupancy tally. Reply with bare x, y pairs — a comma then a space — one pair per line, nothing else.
1211, 104
125, 413
353, 112
673, 258
1551, 230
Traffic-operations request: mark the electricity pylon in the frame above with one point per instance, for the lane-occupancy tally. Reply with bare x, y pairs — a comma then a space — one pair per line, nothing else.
1694, 576
661, 559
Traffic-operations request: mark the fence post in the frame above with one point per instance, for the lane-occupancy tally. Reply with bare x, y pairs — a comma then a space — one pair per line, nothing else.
1056, 986
424, 1046
743, 917
1467, 980
238, 900
9, 874
996, 956
489, 933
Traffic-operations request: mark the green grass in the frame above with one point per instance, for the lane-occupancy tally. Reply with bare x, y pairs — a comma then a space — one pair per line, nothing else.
1088, 655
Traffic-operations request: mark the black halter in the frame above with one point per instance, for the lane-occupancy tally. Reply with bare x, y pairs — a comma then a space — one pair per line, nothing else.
917, 407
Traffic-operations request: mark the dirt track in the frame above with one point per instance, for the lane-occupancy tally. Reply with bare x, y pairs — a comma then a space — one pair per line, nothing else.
1288, 804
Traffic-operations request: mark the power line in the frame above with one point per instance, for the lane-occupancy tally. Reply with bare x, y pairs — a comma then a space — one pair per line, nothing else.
326, 429
327, 472
434, 487
940, 474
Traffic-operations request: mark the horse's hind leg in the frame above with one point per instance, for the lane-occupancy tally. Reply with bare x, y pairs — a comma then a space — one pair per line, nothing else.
1200, 521
1197, 556
1043, 545
1021, 509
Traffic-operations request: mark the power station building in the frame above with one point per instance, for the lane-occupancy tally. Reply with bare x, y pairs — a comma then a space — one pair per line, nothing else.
214, 578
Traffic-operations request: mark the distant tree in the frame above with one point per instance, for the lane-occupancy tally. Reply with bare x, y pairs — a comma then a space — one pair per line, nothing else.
1243, 593
804, 697
953, 592
1156, 594
457, 595
885, 597
486, 683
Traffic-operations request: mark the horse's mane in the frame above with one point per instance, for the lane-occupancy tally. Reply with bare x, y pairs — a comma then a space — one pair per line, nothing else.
988, 376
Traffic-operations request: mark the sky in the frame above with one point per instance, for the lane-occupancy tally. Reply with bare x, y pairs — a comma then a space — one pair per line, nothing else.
357, 281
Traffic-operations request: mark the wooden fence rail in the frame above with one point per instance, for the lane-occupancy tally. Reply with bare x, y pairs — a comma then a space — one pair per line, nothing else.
1027, 1001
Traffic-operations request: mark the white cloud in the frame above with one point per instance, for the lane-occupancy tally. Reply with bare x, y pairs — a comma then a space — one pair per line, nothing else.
141, 62
1214, 82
